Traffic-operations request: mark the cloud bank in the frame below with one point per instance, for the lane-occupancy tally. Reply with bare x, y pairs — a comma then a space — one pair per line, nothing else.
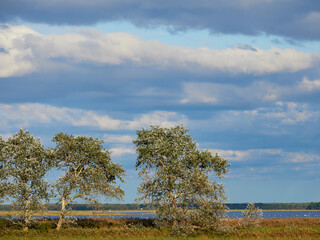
256, 94
33, 114
25, 50
295, 19
275, 155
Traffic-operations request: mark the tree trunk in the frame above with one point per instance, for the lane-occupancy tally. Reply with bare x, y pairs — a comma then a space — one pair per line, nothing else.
174, 206
25, 229
26, 217
62, 213
26, 223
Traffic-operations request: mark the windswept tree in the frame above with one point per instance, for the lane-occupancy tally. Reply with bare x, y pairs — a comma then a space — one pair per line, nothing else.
177, 178
88, 172
24, 164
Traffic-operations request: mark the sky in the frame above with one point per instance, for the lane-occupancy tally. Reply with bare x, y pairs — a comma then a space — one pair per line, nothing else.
242, 75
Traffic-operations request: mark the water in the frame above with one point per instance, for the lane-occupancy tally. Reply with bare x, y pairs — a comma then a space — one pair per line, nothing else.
280, 214
231, 214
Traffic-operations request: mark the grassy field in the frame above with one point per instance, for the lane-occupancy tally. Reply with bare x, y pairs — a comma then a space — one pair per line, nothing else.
288, 228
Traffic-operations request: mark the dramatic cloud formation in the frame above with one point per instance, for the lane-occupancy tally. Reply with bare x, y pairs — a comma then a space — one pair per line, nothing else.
294, 19
25, 50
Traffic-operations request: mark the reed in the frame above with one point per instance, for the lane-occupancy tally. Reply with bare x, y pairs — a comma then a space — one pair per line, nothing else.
101, 228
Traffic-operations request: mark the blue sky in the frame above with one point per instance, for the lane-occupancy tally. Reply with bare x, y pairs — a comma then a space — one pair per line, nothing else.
242, 75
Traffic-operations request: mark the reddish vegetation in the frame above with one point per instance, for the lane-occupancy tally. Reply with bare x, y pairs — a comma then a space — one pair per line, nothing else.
287, 228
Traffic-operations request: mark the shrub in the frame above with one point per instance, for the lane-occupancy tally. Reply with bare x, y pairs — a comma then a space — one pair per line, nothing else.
251, 215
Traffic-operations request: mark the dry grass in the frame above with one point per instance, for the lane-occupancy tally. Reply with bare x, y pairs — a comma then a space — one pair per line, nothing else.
288, 228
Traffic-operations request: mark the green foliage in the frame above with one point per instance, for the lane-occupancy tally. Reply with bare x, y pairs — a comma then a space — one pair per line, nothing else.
88, 171
24, 164
177, 177
314, 206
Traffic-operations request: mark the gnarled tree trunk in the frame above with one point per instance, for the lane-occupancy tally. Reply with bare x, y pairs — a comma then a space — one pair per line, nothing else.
62, 213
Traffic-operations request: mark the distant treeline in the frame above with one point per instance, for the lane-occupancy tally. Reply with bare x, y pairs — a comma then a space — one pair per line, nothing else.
134, 206
314, 205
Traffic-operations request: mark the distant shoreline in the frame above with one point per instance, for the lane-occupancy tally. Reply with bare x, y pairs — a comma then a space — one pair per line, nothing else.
140, 207
119, 212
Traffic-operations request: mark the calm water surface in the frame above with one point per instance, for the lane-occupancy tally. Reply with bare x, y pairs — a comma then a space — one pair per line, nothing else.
232, 214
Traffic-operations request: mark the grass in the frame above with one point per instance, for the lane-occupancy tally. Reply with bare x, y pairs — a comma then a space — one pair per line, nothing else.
101, 228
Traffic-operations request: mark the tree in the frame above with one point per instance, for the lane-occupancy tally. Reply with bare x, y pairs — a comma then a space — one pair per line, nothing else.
177, 177
313, 205
88, 171
24, 164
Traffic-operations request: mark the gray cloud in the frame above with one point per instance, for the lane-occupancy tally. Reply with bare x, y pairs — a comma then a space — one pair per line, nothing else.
295, 19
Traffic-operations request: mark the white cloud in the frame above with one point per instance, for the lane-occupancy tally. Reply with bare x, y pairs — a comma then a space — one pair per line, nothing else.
245, 155
302, 157
291, 113
256, 93
31, 114
309, 85
26, 51
89, 118
282, 118
113, 138
118, 151
161, 118
256, 155
5, 136
14, 60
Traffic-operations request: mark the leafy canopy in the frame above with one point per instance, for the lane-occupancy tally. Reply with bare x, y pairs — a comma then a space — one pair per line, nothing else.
24, 163
87, 167
176, 176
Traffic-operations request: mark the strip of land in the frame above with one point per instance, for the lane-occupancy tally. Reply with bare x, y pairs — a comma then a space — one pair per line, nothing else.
134, 206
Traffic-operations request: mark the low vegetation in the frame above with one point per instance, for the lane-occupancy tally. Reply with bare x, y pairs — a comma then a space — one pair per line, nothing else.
287, 228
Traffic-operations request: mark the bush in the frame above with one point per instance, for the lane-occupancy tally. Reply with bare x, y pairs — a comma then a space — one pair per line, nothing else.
251, 215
